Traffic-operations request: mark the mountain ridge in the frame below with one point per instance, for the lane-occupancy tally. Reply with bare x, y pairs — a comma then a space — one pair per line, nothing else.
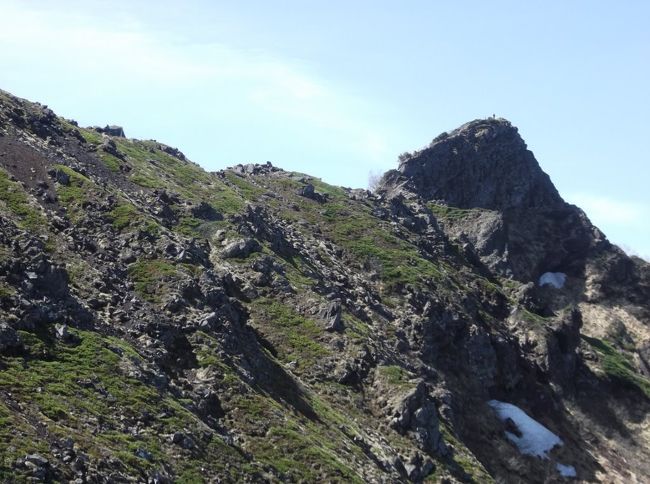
165, 324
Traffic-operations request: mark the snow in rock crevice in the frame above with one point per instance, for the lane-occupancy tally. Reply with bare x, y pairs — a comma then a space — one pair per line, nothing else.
535, 439
555, 279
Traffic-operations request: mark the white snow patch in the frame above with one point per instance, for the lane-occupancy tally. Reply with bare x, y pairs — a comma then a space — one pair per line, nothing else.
566, 471
555, 279
535, 438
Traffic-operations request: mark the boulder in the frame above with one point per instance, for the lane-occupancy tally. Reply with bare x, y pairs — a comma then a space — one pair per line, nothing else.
205, 211
60, 176
240, 248
309, 191
415, 413
331, 315
36, 465
113, 130
182, 440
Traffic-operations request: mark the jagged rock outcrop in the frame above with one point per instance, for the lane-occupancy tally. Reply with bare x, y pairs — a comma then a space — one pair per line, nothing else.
159, 323
482, 164
494, 198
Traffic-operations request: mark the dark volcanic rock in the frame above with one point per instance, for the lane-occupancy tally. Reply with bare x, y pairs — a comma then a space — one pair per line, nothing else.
331, 315
113, 130
504, 207
484, 163
416, 413
205, 211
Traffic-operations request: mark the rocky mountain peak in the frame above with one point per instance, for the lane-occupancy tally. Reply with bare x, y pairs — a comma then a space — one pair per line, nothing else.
482, 164
160, 323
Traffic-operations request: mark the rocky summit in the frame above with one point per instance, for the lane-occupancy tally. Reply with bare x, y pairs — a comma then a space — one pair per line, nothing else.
160, 323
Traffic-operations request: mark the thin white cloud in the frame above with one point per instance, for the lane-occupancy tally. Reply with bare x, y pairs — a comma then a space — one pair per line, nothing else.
118, 51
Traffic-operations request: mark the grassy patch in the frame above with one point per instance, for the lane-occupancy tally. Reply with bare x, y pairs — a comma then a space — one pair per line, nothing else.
154, 168
91, 136
304, 451
618, 367
189, 226
446, 212
206, 348
245, 188
72, 196
394, 260
16, 200
368, 241
112, 162
226, 200
126, 216
300, 450
394, 375
152, 277
462, 464
532, 318
6, 290
147, 181
295, 336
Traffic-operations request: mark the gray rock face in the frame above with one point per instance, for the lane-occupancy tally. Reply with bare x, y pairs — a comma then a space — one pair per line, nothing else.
511, 216
481, 355
484, 163
332, 316
416, 413
240, 248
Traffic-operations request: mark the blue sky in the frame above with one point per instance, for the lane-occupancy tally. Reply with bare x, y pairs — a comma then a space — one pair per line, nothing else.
339, 89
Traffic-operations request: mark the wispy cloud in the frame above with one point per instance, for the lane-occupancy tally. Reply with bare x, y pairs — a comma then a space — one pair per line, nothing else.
122, 53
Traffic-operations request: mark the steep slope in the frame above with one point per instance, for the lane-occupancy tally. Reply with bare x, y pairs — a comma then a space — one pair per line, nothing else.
164, 324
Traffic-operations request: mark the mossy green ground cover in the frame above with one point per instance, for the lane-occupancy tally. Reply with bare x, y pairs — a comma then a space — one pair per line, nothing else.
78, 191
350, 225
152, 278
15, 200
153, 168
617, 366
82, 391
126, 217
295, 336
446, 212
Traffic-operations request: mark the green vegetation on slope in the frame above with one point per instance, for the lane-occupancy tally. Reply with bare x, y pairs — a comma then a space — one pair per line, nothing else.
152, 278
15, 199
617, 367
446, 212
348, 223
127, 216
78, 191
296, 336
68, 386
